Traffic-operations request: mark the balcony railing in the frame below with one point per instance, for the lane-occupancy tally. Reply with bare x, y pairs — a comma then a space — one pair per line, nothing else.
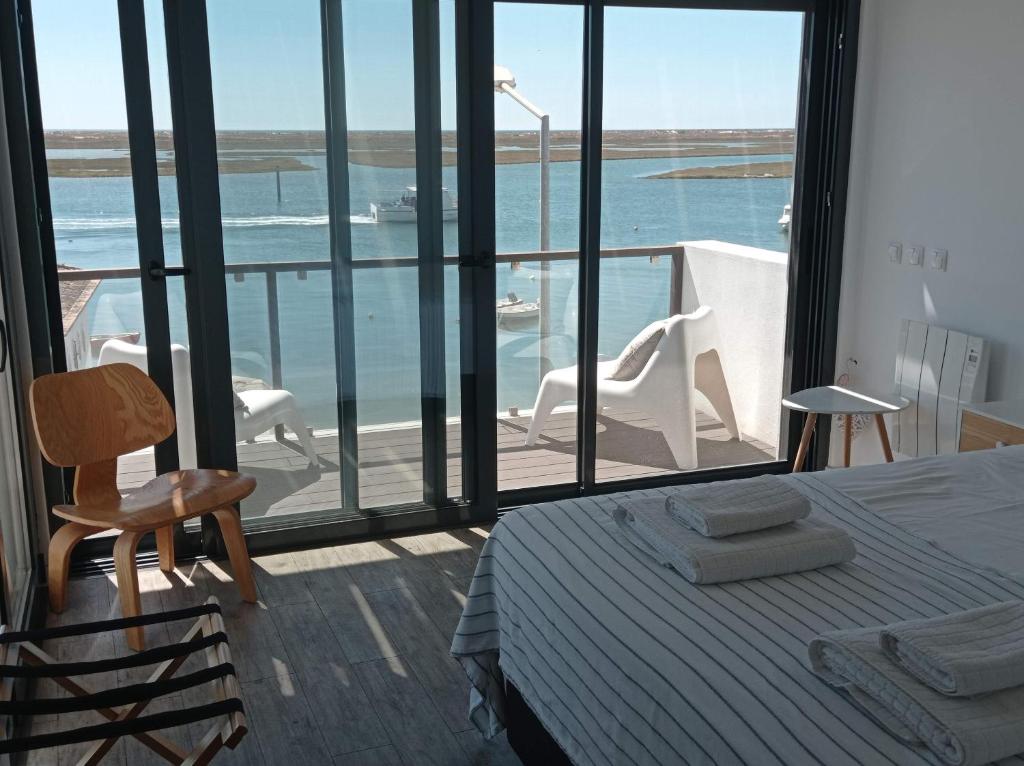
745, 286
271, 269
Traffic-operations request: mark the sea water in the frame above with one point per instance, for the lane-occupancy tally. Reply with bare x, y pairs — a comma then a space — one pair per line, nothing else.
94, 227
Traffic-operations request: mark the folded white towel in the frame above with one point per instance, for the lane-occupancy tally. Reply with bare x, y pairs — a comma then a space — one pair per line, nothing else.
963, 654
960, 731
733, 507
794, 547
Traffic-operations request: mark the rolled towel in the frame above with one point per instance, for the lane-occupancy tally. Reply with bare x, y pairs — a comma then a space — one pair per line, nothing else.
794, 547
963, 654
958, 730
734, 507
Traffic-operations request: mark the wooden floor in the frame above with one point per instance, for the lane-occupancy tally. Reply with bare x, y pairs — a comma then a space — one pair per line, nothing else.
629, 444
343, 661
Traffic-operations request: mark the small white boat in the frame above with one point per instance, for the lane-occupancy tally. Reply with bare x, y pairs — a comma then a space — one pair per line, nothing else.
403, 209
513, 309
787, 217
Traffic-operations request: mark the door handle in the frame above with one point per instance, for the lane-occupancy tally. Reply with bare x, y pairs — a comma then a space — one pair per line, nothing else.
156, 271
483, 260
3, 346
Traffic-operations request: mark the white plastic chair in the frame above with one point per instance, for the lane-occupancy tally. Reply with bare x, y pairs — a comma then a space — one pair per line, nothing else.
685, 359
264, 409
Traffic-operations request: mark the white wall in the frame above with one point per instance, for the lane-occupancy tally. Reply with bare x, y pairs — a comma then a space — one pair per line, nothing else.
747, 288
938, 161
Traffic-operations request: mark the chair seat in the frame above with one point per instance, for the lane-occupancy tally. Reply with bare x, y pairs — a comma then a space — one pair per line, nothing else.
167, 499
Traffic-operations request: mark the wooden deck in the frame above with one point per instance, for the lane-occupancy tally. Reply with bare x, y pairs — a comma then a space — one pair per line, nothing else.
629, 445
343, 661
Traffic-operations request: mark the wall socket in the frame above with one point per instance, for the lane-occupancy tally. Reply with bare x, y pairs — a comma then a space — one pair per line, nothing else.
938, 258
895, 252
915, 255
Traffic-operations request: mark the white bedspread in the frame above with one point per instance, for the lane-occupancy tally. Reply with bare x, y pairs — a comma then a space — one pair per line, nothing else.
623, 661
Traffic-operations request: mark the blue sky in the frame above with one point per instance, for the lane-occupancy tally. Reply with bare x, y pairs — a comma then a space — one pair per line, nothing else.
664, 68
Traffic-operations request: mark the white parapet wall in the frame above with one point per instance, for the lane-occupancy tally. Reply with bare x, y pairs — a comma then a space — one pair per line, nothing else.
747, 289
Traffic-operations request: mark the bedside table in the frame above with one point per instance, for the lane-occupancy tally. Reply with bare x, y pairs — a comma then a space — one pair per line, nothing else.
991, 424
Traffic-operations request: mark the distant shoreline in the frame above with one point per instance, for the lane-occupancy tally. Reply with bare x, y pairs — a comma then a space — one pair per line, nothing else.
746, 170
267, 151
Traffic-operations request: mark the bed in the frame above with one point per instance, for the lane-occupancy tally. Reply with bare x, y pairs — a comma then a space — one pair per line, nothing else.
622, 661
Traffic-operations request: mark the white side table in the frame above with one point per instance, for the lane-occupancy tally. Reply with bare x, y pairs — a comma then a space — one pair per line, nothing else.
836, 400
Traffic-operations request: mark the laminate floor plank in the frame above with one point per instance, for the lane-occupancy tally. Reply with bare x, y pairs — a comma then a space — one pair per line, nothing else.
413, 723
378, 756
360, 633
280, 581
345, 717
283, 723
426, 651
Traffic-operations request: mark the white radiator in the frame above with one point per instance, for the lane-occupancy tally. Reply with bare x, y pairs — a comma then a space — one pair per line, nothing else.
938, 371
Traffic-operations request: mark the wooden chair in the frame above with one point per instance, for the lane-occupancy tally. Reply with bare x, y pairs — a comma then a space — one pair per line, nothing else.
86, 420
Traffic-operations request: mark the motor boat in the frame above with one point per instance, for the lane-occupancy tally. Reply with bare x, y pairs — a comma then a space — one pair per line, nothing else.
787, 217
512, 310
403, 209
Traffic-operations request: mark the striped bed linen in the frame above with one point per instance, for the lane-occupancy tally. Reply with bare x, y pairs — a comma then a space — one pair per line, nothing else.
625, 662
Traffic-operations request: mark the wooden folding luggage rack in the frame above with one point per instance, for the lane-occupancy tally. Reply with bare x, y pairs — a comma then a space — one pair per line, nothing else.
22, 657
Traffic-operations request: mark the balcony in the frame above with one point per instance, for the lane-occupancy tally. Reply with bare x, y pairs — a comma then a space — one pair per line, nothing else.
747, 287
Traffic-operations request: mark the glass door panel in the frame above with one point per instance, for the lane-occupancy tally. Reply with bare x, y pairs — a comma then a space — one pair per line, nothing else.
268, 91
90, 164
699, 114
383, 195
538, 86
282, 255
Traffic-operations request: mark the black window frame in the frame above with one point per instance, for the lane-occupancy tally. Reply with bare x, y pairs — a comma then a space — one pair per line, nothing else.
824, 130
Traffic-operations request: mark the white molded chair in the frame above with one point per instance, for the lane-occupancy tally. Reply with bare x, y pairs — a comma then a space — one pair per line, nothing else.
686, 358
264, 409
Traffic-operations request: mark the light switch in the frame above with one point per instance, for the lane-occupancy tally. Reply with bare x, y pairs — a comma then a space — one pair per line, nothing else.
895, 252
915, 255
938, 258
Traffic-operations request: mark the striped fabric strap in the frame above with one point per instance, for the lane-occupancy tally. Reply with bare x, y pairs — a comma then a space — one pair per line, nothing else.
139, 659
87, 628
116, 697
114, 729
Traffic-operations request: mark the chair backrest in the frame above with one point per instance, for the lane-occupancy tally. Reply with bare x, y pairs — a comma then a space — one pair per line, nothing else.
686, 337
97, 414
116, 351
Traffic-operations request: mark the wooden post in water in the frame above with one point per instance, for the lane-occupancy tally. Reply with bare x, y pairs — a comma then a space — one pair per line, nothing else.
277, 172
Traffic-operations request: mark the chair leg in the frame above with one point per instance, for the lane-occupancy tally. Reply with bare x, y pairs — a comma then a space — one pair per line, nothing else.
549, 397
883, 434
128, 584
709, 379
679, 427
62, 543
295, 422
805, 442
231, 530
165, 547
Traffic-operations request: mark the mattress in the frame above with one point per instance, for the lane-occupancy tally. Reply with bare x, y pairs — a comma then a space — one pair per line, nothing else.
625, 662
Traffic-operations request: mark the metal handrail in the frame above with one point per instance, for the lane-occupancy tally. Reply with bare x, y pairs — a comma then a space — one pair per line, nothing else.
265, 267
273, 268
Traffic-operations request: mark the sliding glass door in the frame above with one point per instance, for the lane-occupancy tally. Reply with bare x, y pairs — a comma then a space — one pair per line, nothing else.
337, 155
407, 261
698, 143
654, 338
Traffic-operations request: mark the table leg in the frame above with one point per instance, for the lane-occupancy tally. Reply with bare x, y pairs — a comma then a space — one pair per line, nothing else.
805, 441
883, 434
847, 439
